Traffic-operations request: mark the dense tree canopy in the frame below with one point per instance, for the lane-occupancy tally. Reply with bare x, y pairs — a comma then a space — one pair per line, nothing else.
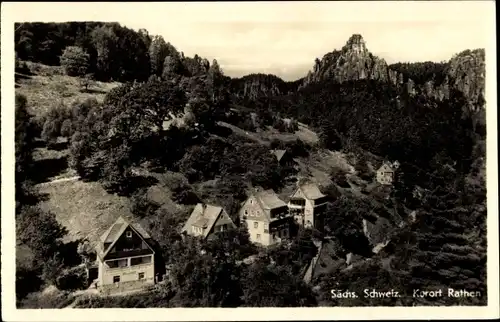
422, 72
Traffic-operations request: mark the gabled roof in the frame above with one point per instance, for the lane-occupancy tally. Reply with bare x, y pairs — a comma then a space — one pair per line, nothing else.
310, 191
386, 165
268, 199
119, 226
203, 216
113, 233
279, 154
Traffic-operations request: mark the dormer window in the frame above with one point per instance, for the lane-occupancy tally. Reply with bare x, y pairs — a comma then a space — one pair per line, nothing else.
128, 234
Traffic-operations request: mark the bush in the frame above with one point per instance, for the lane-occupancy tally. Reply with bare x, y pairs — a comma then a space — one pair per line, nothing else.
332, 192
298, 148
185, 197
53, 123
67, 128
52, 300
87, 81
247, 125
275, 144
339, 177
50, 132
75, 61
141, 206
182, 192
22, 68
74, 279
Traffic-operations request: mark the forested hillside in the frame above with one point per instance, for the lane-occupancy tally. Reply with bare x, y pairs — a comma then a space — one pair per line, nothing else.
357, 103
174, 130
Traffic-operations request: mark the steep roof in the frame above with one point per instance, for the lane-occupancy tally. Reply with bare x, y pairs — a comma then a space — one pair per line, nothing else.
268, 199
278, 153
310, 191
387, 166
203, 216
114, 232
118, 227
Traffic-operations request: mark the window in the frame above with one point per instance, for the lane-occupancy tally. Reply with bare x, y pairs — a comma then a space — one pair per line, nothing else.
256, 225
128, 234
274, 236
258, 236
141, 276
246, 212
140, 260
116, 279
117, 263
298, 202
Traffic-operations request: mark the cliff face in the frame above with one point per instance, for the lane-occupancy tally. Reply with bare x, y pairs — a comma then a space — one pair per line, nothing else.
467, 74
464, 72
352, 62
254, 86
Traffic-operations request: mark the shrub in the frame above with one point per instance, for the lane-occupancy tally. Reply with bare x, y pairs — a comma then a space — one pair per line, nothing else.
182, 192
75, 61
332, 192
22, 68
86, 81
50, 131
141, 206
73, 279
67, 128
52, 300
298, 148
339, 177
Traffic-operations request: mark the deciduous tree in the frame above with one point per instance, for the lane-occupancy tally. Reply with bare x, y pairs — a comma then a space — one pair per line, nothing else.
75, 61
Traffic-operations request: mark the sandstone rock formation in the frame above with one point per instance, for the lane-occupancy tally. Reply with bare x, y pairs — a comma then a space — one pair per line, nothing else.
464, 72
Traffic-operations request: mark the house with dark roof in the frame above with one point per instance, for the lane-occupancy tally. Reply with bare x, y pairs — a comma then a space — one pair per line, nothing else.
125, 258
207, 219
267, 217
307, 204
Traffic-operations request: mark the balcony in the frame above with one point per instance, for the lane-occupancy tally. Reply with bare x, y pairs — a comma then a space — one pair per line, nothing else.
296, 206
129, 269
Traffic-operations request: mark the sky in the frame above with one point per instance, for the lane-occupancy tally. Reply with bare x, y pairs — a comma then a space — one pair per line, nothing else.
284, 38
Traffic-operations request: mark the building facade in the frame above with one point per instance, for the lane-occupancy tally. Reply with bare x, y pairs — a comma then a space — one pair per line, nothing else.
385, 174
266, 217
307, 205
125, 258
206, 220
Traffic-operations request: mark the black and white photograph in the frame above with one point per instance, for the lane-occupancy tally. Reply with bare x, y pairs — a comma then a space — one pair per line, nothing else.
248, 155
